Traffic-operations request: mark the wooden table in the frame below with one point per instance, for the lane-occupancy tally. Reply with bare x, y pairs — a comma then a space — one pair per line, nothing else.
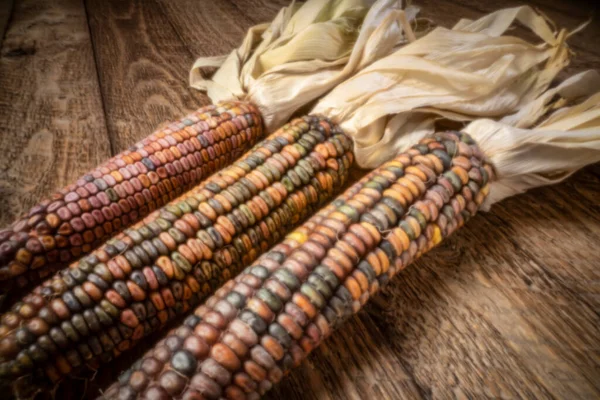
509, 307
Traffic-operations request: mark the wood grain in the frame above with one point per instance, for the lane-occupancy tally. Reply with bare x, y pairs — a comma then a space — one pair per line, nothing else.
218, 27
260, 11
143, 68
509, 307
51, 121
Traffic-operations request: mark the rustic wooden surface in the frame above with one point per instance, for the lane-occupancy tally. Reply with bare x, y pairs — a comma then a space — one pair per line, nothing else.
507, 308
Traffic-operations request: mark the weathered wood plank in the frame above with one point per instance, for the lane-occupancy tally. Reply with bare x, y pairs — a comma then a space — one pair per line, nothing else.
217, 27
143, 68
508, 307
52, 127
260, 11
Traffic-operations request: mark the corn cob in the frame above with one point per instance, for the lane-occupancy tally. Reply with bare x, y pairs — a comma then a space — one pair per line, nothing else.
141, 279
124, 189
279, 252
269, 318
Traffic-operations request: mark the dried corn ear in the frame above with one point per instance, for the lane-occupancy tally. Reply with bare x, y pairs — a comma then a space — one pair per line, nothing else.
141, 279
265, 321
124, 189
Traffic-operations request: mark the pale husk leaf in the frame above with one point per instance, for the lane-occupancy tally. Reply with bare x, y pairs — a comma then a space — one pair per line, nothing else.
306, 51
470, 71
551, 150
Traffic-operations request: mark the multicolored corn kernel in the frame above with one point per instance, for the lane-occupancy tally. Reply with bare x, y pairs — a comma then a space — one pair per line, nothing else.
126, 188
159, 268
261, 324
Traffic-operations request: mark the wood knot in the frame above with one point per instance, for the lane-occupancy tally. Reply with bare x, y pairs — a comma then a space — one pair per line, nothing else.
19, 48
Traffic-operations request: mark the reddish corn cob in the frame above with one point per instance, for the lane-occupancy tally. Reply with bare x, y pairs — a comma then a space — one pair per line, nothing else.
124, 189
269, 318
138, 281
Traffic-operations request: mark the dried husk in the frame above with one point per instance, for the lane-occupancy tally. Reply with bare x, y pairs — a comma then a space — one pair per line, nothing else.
306, 51
473, 70
387, 86
527, 154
